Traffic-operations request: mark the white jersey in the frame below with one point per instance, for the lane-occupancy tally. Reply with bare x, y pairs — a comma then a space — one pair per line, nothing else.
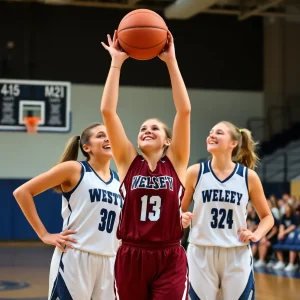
220, 207
92, 208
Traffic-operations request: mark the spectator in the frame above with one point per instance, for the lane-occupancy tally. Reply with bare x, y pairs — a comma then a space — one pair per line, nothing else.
289, 222
266, 243
274, 207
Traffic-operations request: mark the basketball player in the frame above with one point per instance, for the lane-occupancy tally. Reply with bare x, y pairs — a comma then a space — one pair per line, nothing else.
83, 261
150, 264
219, 254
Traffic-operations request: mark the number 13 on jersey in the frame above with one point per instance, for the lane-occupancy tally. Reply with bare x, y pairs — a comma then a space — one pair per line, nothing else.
153, 213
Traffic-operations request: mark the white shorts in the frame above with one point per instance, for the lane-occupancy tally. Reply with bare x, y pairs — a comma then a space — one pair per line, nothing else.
215, 268
79, 275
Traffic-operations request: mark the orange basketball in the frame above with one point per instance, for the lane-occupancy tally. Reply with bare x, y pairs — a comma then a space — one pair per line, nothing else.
142, 34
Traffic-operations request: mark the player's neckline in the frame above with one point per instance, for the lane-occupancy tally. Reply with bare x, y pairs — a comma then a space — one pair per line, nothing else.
228, 177
162, 159
106, 182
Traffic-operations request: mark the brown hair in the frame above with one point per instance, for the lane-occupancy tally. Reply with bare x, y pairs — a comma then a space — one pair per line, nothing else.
166, 128
72, 148
292, 209
245, 151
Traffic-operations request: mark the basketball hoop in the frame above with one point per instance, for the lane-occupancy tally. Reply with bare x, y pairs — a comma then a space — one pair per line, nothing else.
31, 124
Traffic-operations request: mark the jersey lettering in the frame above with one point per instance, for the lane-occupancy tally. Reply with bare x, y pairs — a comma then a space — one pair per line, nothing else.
105, 196
152, 182
222, 196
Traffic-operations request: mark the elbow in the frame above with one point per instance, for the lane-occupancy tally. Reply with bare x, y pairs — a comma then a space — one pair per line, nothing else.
19, 193
188, 109
16, 193
272, 220
186, 112
105, 111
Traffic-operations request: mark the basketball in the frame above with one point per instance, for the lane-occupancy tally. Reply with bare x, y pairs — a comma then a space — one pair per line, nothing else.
142, 34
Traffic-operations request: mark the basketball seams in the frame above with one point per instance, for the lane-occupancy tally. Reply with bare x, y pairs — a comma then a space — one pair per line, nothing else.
128, 28
164, 41
142, 12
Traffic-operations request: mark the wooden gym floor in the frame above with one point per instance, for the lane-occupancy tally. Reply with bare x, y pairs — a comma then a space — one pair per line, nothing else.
24, 272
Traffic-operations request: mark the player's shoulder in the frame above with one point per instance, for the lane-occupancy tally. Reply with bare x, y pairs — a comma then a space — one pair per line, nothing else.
194, 170
70, 166
252, 175
193, 174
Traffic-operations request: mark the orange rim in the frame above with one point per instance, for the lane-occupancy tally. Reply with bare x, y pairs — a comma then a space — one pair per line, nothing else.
31, 124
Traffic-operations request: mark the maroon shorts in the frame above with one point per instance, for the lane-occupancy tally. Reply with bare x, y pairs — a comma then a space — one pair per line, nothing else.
148, 272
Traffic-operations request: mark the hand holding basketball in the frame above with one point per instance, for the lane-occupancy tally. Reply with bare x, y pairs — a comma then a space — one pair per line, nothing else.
168, 54
113, 47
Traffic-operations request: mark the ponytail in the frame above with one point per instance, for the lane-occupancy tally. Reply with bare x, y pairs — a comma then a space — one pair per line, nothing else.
72, 148
70, 153
245, 151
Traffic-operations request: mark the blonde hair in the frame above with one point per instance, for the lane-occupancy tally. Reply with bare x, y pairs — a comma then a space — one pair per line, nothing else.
245, 151
72, 148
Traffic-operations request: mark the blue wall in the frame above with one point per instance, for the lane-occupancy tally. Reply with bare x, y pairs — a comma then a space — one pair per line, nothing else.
14, 225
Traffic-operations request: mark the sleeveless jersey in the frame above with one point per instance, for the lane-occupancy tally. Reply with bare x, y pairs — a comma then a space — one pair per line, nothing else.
93, 208
152, 201
220, 207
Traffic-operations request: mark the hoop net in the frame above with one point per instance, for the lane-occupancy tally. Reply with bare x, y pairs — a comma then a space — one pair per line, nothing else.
31, 124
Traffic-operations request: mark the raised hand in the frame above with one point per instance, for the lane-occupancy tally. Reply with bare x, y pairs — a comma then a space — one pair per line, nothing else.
115, 51
61, 240
168, 54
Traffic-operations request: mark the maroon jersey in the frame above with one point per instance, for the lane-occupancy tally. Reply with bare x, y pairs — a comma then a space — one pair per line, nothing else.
152, 200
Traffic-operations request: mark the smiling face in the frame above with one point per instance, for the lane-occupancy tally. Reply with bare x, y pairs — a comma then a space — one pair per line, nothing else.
153, 136
220, 140
98, 143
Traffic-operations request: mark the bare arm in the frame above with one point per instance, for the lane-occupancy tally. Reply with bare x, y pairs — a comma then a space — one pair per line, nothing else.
24, 194
289, 229
179, 150
260, 204
123, 150
190, 184
281, 229
273, 232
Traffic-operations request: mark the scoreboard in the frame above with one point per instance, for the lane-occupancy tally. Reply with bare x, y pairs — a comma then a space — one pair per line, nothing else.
48, 100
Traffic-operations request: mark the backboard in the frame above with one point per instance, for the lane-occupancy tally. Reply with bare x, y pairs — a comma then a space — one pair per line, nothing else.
49, 100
